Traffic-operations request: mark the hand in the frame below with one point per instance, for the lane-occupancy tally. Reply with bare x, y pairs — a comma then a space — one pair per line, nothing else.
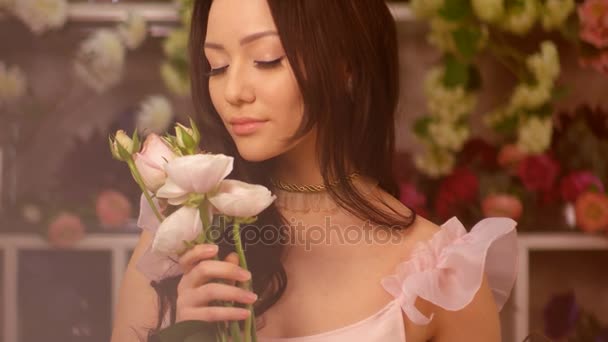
195, 292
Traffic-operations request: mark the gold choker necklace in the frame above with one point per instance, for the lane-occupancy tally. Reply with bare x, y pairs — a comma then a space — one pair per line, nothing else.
309, 188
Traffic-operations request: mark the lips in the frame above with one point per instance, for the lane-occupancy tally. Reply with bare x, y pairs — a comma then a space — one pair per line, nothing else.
246, 125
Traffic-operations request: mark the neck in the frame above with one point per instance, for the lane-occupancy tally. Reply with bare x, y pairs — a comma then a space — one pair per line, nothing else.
300, 165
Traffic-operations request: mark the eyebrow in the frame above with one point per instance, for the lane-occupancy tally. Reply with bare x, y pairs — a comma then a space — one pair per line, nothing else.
245, 40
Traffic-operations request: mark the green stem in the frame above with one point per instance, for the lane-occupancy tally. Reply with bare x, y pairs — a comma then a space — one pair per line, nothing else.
140, 182
236, 229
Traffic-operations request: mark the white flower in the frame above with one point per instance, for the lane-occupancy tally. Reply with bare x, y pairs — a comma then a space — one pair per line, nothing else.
240, 199
194, 174
535, 135
100, 60
447, 104
435, 162
41, 15
530, 96
448, 135
133, 31
183, 225
151, 161
177, 84
425, 8
176, 44
12, 83
440, 34
520, 18
155, 115
489, 10
555, 13
545, 64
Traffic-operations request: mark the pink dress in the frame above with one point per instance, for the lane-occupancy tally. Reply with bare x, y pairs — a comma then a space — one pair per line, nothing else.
447, 271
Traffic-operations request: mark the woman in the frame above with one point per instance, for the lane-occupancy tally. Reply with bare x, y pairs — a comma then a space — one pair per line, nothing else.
303, 94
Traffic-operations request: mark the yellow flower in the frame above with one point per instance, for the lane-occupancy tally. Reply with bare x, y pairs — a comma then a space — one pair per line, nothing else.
555, 13
535, 135
489, 10
521, 18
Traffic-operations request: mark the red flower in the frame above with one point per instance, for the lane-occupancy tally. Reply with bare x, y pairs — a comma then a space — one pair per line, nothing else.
456, 192
592, 211
479, 151
538, 172
578, 182
412, 198
113, 209
509, 157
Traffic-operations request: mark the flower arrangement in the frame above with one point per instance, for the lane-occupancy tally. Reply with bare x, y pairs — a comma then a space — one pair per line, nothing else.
184, 190
465, 29
487, 180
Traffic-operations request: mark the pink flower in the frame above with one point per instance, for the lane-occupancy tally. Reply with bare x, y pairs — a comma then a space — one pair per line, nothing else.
578, 182
412, 198
65, 230
599, 62
151, 161
509, 157
593, 15
502, 205
113, 208
538, 172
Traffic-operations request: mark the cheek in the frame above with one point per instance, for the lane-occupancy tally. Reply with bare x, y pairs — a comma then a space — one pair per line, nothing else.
283, 98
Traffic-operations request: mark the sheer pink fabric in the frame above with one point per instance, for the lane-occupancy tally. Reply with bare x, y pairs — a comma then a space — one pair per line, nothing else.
447, 270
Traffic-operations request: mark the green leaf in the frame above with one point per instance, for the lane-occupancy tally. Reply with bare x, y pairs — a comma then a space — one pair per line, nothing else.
467, 41
421, 126
196, 134
456, 10
189, 331
456, 72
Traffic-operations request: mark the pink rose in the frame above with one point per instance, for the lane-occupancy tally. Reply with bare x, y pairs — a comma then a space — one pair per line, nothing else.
593, 16
509, 157
113, 209
65, 230
538, 172
502, 205
151, 161
578, 182
412, 198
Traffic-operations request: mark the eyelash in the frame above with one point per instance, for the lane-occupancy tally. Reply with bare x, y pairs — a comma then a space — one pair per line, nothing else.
259, 64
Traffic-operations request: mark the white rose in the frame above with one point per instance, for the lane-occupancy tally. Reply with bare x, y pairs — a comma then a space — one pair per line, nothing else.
194, 174
183, 225
155, 115
100, 60
42, 15
240, 199
151, 161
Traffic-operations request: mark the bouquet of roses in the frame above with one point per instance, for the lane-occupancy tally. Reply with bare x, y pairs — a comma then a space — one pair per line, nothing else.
184, 189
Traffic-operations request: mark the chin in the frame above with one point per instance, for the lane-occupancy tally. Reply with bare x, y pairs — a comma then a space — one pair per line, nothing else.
252, 153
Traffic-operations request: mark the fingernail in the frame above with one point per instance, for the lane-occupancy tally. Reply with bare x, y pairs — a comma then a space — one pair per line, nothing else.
251, 296
245, 313
244, 275
210, 248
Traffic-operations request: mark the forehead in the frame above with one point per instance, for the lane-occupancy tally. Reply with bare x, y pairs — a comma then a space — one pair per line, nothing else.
237, 18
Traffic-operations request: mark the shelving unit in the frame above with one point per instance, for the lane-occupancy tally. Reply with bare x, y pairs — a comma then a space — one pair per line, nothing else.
120, 246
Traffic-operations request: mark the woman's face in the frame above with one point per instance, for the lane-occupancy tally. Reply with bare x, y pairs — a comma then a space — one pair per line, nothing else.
251, 83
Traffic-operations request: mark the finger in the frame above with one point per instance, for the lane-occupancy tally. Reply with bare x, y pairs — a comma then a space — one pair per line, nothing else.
196, 254
207, 270
205, 294
213, 314
232, 258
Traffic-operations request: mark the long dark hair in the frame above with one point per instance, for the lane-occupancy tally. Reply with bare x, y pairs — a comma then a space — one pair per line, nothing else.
344, 57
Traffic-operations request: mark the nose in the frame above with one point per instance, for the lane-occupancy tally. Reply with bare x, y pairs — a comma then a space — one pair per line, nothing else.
238, 88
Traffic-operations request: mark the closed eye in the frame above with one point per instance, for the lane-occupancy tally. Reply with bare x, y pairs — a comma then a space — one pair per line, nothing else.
216, 71
269, 64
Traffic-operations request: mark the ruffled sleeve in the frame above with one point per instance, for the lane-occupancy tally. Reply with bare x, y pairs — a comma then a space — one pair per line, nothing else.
448, 269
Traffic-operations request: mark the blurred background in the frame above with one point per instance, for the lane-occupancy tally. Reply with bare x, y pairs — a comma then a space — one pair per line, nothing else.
503, 112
